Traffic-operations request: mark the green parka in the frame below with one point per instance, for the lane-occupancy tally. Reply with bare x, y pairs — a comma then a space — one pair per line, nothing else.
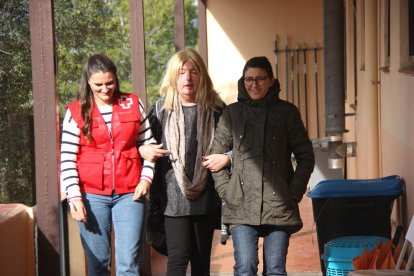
273, 159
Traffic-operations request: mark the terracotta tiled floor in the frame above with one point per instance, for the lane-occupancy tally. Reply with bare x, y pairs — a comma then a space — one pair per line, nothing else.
303, 255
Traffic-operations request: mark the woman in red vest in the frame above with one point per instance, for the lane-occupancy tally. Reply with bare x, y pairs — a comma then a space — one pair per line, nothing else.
101, 170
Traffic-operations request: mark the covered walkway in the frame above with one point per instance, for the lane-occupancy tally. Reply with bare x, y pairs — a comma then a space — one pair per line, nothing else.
303, 255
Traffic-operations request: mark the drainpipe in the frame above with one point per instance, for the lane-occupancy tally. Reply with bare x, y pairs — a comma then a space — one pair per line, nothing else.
334, 67
367, 110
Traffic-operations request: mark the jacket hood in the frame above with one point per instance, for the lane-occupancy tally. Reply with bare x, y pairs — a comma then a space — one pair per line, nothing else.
271, 96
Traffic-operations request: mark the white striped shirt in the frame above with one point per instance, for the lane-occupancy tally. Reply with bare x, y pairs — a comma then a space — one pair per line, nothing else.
69, 177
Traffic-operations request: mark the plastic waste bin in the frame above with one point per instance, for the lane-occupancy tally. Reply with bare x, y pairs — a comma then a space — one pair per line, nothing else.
353, 208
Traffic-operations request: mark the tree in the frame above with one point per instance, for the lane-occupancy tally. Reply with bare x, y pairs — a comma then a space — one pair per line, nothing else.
16, 99
159, 38
87, 27
83, 28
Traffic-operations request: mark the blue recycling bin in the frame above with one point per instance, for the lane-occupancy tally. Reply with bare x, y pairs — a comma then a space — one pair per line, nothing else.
353, 208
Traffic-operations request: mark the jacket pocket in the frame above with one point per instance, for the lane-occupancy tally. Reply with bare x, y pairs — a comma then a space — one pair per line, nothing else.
244, 141
130, 119
90, 168
131, 168
234, 193
281, 200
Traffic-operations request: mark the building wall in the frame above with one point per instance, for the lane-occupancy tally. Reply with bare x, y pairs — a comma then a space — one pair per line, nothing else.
379, 86
240, 29
395, 103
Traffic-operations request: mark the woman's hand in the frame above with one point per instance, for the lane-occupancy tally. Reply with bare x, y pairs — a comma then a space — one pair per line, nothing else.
141, 190
152, 152
216, 162
78, 211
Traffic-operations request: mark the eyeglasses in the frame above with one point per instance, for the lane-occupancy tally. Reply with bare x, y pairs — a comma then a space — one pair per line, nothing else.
259, 81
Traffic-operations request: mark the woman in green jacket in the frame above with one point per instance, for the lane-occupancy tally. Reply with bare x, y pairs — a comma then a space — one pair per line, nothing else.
262, 193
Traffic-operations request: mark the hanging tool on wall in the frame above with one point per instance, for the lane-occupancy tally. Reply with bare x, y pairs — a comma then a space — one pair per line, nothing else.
275, 51
297, 73
315, 54
287, 68
305, 84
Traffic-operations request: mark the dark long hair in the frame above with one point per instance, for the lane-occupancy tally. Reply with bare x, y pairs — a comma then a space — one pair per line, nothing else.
96, 64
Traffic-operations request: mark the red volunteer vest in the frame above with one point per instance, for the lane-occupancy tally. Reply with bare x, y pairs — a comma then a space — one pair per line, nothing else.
110, 163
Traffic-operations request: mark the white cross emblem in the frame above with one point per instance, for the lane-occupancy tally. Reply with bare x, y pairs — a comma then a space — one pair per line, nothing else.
122, 103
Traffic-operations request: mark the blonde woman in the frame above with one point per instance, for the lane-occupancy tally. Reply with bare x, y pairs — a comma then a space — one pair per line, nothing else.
184, 121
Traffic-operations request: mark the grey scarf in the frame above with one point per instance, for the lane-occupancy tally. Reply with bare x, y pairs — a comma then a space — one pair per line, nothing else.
175, 138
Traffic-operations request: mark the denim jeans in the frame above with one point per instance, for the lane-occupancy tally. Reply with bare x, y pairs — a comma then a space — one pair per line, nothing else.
126, 216
275, 245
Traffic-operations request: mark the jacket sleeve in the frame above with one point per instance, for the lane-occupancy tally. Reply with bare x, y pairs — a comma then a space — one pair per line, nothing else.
302, 150
222, 143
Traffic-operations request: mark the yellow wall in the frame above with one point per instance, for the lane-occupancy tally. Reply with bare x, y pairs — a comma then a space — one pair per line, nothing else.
240, 29
17, 252
367, 125
383, 126
396, 113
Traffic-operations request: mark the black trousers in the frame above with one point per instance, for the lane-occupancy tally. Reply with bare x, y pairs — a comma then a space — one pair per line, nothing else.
189, 239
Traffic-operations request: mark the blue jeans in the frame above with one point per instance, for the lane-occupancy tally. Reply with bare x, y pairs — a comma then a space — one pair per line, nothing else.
126, 216
275, 245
